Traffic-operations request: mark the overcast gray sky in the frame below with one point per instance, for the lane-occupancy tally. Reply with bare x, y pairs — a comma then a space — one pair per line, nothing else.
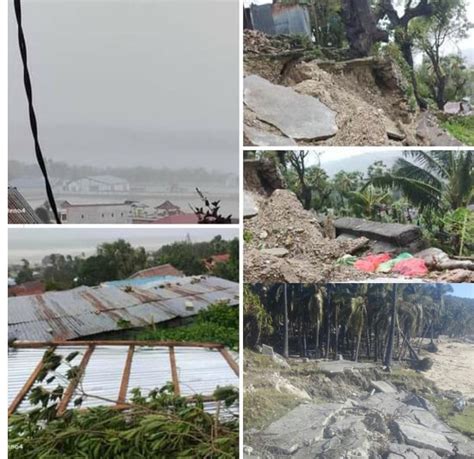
128, 82
34, 243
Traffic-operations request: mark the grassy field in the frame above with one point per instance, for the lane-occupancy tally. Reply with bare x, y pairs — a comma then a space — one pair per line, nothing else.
461, 127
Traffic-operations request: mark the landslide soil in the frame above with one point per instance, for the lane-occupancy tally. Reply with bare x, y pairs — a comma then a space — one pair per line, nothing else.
368, 95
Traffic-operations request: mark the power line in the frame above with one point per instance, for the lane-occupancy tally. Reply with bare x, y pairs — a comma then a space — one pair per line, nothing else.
33, 123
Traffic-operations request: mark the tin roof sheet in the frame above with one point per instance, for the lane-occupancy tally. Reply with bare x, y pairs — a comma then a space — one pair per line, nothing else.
86, 311
200, 371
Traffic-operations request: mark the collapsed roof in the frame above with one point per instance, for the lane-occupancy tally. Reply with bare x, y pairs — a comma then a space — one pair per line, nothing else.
86, 311
111, 369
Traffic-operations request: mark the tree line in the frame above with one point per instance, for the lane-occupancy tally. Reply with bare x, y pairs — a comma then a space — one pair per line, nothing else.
119, 260
431, 189
375, 322
135, 175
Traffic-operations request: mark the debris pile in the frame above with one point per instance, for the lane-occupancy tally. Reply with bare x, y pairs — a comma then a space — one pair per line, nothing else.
367, 95
287, 244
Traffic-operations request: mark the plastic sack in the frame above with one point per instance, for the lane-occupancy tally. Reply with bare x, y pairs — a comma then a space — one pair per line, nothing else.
370, 263
388, 265
414, 267
347, 260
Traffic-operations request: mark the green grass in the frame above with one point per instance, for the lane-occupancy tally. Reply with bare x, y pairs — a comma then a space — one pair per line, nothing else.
461, 127
462, 422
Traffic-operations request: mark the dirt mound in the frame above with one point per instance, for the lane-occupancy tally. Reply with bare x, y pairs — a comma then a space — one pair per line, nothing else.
368, 94
283, 223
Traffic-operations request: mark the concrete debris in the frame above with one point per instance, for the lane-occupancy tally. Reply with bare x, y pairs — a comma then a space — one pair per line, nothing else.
422, 437
386, 424
300, 427
250, 206
332, 367
261, 138
298, 116
383, 386
396, 233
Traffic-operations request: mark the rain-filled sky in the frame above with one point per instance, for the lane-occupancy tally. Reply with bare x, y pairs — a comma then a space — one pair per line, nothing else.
35, 243
128, 82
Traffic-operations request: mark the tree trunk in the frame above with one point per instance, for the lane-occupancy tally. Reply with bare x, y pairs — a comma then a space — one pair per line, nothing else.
361, 27
391, 334
285, 339
328, 323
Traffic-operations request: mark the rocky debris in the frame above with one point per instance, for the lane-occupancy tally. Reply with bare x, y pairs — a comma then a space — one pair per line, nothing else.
332, 367
456, 276
398, 451
390, 425
250, 206
393, 132
422, 437
279, 252
395, 233
383, 386
300, 427
261, 43
433, 255
261, 138
431, 134
277, 358
262, 176
298, 116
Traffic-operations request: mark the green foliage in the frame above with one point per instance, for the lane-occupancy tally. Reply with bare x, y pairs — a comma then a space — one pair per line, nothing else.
462, 422
25, 274
460, 225
159, 425
461, 127
257, 321
219, 323
229, 270
247, 236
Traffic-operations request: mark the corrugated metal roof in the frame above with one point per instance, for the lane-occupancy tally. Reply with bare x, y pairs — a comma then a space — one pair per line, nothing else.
19, 210
200, 371
86, 311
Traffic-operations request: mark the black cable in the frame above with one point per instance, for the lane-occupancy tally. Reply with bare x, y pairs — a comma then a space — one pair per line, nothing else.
33, 124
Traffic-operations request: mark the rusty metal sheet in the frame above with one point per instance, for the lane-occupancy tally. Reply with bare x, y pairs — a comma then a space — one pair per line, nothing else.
86, 311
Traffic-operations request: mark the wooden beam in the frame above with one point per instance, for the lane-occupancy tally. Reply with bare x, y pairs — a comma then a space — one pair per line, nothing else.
174, 371
38, 344
126, 376
69, 392
26, 387
230, 360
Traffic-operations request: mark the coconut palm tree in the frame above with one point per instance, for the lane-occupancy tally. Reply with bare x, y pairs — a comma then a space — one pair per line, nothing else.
436, 179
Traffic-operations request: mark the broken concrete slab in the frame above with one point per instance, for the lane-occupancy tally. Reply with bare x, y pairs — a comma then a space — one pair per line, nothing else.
383, 386
261, 138
396, 233
422, 437
302, 426
339, 366
250, 206
279, 252
398, 451
298, 116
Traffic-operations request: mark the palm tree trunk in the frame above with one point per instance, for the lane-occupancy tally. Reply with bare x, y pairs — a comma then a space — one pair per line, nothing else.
285, 325
391, 334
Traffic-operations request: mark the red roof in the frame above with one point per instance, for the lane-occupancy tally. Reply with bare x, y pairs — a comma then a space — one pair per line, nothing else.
162, 270
168, 205
180, 219
221, 258
35, 287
